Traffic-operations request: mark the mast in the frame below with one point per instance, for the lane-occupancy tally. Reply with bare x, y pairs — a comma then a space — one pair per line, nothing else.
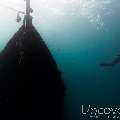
28, 17
27, 22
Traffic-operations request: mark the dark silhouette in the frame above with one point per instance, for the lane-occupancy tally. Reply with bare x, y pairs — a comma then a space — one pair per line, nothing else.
31, 86
106, 65
113, 63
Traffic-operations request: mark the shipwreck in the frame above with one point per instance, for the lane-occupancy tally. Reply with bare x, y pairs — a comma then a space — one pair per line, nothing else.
31, 86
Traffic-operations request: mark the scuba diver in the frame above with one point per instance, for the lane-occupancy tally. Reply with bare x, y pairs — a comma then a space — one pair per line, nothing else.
113, 63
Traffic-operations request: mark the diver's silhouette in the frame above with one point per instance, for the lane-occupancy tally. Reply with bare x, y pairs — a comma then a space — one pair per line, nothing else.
113, 63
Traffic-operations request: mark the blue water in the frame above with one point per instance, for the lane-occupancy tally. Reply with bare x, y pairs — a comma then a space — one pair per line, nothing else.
78, 48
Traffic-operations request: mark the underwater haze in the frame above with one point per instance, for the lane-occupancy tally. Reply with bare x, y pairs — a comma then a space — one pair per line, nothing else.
81, 34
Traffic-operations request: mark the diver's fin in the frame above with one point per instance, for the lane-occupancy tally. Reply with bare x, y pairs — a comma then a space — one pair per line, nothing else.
106, 65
